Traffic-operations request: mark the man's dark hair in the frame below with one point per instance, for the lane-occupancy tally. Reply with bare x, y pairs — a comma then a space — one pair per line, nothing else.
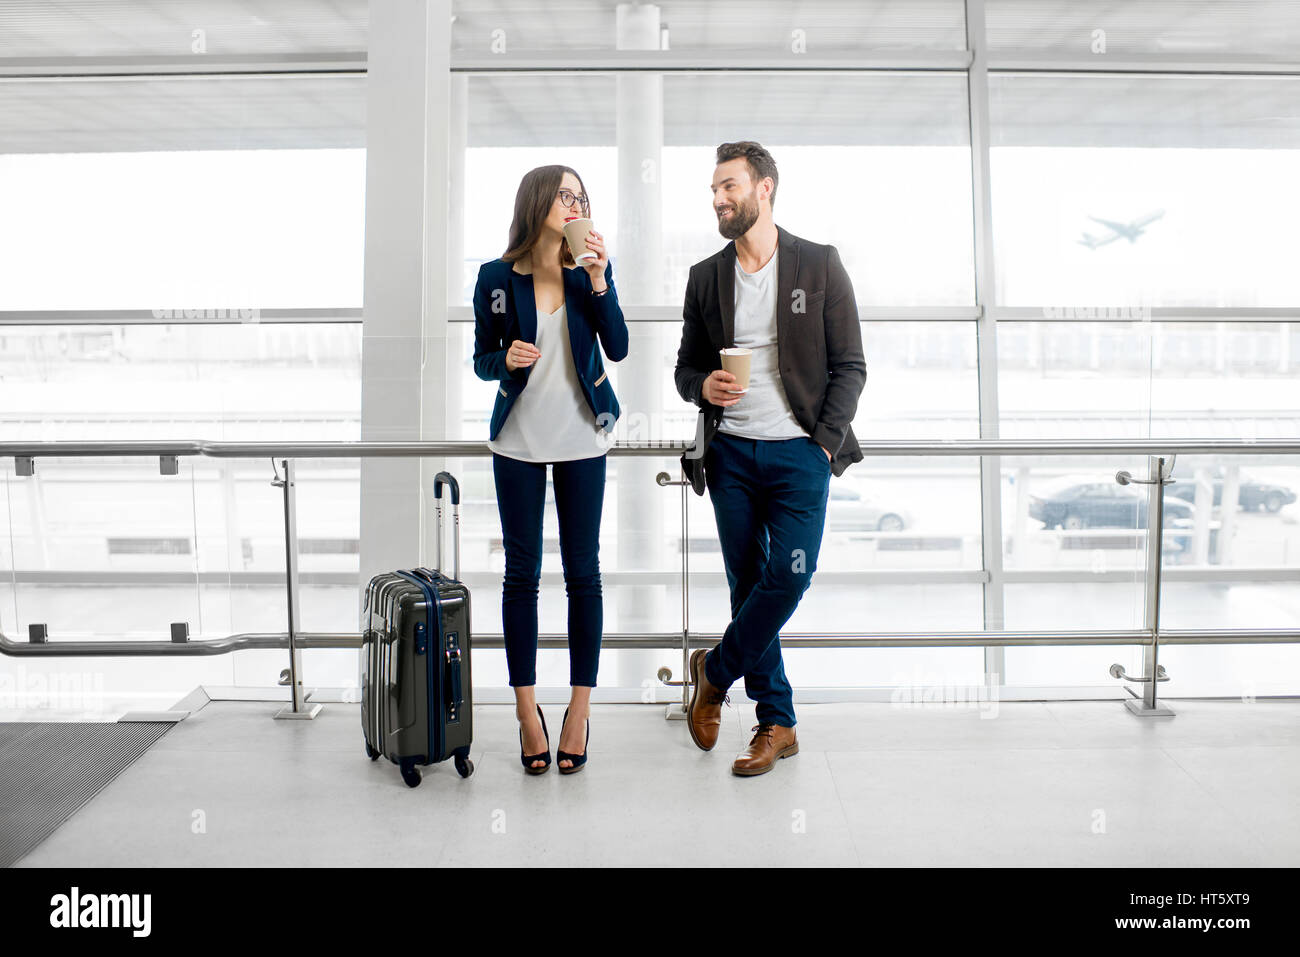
760, 161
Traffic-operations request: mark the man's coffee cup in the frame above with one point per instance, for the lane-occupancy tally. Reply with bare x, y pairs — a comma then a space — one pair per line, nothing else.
575, 233
736, 361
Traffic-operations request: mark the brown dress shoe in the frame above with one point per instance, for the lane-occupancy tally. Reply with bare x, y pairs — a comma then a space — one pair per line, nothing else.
771, 741
704, 717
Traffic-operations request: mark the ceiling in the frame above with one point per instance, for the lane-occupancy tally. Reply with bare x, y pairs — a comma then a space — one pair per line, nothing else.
64, 28
71, 28
63, 114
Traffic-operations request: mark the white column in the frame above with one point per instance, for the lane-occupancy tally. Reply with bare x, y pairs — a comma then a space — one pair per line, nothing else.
639, 277
404, 339
986, 345
459, 335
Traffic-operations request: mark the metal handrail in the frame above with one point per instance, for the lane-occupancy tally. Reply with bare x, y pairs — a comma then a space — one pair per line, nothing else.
226, 644
475, 447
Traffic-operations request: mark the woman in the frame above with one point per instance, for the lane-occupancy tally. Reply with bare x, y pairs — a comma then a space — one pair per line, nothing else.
537, 319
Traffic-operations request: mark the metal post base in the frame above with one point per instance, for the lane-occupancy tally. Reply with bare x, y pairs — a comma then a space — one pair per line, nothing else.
1139, 708
675, 712
287, 713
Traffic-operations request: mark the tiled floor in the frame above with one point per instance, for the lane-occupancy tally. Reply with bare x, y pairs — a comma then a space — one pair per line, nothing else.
1062, 784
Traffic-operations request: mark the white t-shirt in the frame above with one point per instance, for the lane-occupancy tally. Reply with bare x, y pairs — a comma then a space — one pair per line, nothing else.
764, 411
550, 420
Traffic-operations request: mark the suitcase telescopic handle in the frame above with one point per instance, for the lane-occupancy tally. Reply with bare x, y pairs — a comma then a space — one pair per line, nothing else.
455, 506
450, 480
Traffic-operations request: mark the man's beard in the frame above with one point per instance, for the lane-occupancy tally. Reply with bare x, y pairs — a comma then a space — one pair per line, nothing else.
743, 215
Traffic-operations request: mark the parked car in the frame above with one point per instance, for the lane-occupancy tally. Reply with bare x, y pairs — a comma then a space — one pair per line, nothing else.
848, 510
1252, 495
1102, 505
851, 511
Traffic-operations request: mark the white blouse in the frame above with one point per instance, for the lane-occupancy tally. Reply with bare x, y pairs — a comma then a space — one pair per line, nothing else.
550, 420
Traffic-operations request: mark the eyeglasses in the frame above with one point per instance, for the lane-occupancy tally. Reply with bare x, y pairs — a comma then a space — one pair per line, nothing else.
568, 199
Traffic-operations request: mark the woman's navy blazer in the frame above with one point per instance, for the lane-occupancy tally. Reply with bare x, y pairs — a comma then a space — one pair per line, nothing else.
505, 310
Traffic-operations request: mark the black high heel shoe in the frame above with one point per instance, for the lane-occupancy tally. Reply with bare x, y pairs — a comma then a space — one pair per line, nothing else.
528, 759
578, 759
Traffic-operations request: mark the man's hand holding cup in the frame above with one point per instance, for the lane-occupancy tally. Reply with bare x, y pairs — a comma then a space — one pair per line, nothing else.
720, 389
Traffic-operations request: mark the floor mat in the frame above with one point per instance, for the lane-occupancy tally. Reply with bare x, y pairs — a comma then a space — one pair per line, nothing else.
47, 771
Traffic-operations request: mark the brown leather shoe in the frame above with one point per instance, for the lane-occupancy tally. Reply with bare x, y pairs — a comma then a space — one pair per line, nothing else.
704, 716
771, 741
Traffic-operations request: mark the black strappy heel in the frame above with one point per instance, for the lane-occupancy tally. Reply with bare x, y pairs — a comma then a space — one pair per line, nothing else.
528, 759
578, 759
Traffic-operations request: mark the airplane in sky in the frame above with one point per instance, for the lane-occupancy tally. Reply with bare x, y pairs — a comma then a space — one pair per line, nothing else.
1130, 231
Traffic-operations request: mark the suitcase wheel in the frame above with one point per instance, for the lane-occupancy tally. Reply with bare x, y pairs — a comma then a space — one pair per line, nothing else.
371, 753
410, 773
464, 766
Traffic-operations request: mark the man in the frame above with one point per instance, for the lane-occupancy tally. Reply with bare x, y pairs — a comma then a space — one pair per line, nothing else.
766, 455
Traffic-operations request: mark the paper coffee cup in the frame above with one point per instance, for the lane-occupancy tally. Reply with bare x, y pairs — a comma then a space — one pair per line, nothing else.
575, 232
736, 361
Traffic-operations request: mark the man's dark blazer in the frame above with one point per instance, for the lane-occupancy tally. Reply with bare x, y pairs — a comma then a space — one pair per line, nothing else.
505, 310
818, 343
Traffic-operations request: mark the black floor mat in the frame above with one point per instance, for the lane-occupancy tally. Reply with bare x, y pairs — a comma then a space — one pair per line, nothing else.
47, 771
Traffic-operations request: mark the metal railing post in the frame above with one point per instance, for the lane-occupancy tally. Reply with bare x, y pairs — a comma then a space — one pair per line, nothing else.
686, 601
298, 707
1152, 671
679, 712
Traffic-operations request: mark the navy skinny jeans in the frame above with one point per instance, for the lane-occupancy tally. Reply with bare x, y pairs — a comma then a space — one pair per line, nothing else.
521, 496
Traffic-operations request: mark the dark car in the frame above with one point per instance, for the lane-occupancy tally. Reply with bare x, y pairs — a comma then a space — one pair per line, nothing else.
1252, 495
1101, 505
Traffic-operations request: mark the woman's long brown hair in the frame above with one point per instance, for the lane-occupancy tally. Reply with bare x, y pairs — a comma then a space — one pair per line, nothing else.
532, 205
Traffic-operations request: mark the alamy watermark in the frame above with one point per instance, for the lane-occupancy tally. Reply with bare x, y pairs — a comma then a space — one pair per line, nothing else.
243, 315
927, 690
1140, 313
60, 689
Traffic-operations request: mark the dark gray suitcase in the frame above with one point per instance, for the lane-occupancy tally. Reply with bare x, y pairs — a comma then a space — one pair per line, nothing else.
416, 702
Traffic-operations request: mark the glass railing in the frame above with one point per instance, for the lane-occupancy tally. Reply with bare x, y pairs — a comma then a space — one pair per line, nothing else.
204, 548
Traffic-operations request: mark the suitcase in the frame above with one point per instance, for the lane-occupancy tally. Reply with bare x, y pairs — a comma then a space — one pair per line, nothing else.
416, 706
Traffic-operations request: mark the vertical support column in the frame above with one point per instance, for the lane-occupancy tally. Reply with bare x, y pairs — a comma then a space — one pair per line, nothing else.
639, 277
1229, 504
459, 340
977, 90
438, 360
404, 338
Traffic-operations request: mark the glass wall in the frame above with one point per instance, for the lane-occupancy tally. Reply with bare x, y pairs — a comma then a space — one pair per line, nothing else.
890, 188
183, 259
159, 228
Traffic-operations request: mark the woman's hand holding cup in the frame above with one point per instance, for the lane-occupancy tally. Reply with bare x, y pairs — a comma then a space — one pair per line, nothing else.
596, 267
521, 355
